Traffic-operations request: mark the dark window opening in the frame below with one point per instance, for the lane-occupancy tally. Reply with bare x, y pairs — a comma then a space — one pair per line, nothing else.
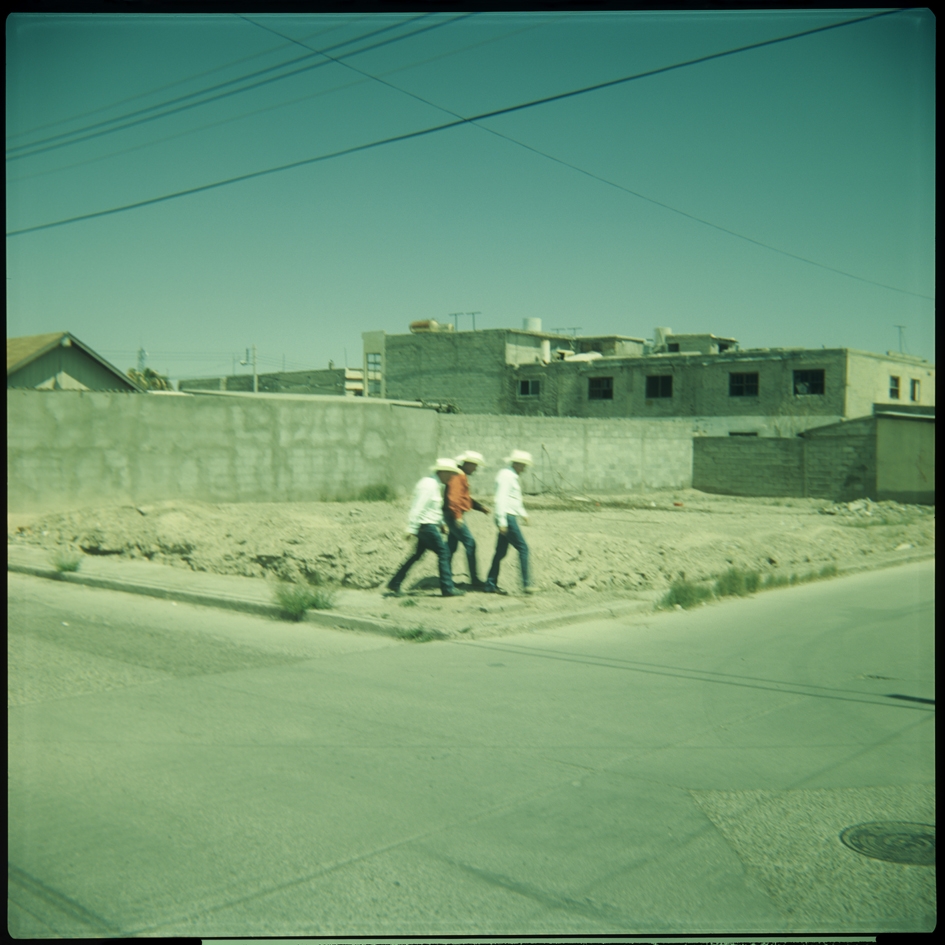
600, 388
894, 388
809, 382
742, 433
659, 385
914, 389
672, 346
743, 385
529, 388
723, 346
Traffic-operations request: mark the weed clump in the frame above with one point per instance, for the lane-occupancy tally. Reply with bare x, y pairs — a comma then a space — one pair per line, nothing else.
376, 493
685, 594
737, 583
66, 559
418, 634
294, 599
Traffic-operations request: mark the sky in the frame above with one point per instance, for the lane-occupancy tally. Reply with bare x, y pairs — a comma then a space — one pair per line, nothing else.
782, 195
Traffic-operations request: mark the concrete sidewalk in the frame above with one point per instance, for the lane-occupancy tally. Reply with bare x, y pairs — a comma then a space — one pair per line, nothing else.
473, 616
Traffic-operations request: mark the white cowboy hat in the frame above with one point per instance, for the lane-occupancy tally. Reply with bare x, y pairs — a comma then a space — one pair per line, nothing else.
520, 456
471, 456
445, 465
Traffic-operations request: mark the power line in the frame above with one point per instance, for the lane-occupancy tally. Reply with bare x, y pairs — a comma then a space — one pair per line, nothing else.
603, 180
170, 85
283, 104
215, 98
508, 110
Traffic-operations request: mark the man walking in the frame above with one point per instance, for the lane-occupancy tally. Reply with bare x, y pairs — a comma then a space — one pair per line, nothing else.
425, 520
458, 502
509, 514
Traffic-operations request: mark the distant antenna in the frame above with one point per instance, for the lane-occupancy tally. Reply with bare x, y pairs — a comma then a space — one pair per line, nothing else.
474, 314
142, 354
573, 331
901, 328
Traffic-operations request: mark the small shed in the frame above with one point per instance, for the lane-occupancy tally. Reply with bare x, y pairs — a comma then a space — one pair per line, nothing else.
59, 361
889, 455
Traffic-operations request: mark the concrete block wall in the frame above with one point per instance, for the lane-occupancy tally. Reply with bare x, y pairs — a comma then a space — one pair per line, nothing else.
576, 455
466, 369
71, 448
841, 468
759, 466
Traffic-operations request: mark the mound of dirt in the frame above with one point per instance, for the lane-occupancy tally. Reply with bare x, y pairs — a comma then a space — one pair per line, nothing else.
579, 544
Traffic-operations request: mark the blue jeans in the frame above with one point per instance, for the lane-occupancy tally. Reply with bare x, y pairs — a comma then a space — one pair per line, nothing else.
514, 538
460, 533
428, 539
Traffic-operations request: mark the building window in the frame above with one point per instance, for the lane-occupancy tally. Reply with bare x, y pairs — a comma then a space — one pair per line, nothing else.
723, 346
672, 346
529, 388
659, 385
809, 382
600, 388
914, 391
894, 388
743, 385
373, 375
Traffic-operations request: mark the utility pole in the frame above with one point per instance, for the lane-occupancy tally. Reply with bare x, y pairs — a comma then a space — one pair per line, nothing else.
255, 375
901, 328
142, 354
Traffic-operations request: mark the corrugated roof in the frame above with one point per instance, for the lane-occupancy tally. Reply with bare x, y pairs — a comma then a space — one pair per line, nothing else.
20, 351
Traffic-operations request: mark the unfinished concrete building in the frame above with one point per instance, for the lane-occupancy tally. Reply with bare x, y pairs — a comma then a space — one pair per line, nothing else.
703, 377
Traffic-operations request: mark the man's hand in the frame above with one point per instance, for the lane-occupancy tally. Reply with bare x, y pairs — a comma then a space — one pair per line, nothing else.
458, 521
409, 536
443, 529
503, 530
486, 510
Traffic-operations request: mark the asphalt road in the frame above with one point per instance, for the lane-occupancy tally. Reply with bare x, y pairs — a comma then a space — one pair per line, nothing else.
176, 770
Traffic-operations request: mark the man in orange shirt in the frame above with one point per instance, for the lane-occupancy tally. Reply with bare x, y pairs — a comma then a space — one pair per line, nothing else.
456, 504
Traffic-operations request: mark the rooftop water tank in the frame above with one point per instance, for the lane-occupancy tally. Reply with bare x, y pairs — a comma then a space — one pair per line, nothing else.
531, 324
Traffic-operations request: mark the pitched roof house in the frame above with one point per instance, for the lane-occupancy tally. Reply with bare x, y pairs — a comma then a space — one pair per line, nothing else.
59, 361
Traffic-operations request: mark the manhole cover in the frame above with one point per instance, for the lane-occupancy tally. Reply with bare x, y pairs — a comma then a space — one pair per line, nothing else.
893, 840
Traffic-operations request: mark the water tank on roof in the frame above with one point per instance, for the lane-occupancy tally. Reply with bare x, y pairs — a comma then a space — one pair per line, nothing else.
429, 324
531, 324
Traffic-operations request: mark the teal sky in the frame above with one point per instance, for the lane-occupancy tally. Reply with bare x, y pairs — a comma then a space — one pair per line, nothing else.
821, 147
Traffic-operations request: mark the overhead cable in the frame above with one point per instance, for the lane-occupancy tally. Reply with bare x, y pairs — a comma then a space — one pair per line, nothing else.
169, 85
492, 114
83, 136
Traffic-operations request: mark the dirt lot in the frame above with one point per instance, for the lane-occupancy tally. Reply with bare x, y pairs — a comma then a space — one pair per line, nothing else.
594, 548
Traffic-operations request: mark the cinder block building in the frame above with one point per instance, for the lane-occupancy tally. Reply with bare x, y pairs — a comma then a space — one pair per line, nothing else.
703, 377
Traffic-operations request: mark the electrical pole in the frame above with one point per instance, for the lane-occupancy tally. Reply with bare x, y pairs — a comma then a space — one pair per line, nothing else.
901, 328
255, 375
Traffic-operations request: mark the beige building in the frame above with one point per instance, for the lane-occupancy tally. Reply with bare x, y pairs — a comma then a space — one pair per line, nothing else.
704, 377
338, 382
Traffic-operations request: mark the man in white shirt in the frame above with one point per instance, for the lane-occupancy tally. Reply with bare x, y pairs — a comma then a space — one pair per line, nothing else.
509, 513
425, 520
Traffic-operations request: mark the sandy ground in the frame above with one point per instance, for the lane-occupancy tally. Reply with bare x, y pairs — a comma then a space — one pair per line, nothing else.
581, 546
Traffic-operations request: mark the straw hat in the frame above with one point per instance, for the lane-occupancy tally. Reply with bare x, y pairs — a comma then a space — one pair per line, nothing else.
445, 465
471, 456
520, 456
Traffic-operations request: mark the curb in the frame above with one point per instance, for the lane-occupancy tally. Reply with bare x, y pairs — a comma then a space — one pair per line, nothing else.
329, 618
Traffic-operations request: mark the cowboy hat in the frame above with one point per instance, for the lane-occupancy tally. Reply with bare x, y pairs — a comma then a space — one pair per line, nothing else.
520, 456
445, 465
470, 456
